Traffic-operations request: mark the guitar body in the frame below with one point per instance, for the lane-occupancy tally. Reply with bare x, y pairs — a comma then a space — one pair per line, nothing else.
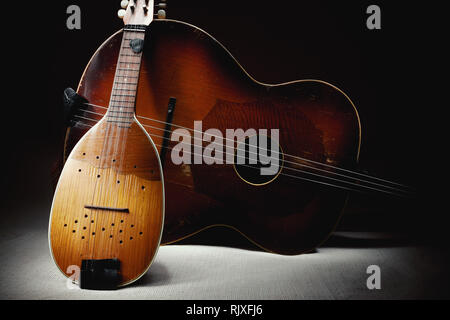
316, 121
116, 168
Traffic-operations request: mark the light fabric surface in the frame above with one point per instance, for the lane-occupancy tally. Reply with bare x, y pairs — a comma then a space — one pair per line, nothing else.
211, 272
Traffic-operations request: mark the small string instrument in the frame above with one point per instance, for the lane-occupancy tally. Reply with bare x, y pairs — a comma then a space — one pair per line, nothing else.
108, 209
188, 76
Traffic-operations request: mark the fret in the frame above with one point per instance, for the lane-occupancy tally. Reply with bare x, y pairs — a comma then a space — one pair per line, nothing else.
123, 89
129, 55
123, 95
128, 83
121, 101
127, 76
121, 107
119, 121
125, 69
119, 117
115, 111
128, 62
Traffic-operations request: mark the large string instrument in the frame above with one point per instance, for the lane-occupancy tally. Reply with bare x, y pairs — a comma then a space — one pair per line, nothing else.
108, 209
187, 76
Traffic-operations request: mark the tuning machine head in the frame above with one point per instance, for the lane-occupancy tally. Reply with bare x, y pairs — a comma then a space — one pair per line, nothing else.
160, 9
161, 14
124, 6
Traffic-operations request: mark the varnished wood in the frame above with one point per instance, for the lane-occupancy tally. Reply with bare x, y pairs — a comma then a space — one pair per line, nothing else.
117, 168
317, 121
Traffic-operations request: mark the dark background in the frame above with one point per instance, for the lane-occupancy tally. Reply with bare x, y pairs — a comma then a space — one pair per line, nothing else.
384, 72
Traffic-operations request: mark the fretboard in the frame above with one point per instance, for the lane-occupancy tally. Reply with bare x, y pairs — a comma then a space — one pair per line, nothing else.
123, 95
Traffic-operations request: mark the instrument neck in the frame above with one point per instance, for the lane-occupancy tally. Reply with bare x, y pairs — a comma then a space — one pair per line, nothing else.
122, 104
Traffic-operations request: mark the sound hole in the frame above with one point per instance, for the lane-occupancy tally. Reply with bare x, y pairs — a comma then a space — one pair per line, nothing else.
258, 160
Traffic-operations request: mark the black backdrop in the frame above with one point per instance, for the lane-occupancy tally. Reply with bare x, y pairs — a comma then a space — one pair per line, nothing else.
381, 70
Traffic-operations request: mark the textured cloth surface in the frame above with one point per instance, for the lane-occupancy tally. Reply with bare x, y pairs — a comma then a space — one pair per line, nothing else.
27, 271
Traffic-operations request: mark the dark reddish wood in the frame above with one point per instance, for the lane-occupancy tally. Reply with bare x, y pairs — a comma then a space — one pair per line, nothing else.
316, 121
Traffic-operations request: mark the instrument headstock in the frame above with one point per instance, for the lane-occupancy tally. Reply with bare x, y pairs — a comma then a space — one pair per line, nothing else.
141, 12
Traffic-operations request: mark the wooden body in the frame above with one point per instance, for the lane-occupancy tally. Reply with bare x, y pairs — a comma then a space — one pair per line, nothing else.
316, 120
110, 167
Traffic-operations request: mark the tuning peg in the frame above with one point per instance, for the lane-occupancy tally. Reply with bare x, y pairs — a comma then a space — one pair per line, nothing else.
161, 5
145, 10
124, 4
161, 14
121, 13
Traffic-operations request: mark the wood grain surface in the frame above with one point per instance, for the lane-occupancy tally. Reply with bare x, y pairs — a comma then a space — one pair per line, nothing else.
113, 167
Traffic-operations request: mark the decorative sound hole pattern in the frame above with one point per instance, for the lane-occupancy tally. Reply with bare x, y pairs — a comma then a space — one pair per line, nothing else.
103, 229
